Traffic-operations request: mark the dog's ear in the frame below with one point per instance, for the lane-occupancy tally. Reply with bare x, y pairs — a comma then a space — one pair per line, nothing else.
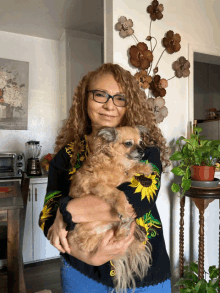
142, 130
110, 134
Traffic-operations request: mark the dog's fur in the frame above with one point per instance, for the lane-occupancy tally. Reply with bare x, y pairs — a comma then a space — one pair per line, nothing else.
116, 159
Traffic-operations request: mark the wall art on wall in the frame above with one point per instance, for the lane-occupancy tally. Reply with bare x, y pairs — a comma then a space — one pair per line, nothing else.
142, 57
14, 77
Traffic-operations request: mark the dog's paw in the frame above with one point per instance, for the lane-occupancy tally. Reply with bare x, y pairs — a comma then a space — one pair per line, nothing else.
145, 169
122, 214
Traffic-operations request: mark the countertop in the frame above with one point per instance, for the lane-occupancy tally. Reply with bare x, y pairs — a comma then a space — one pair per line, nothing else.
12, 202
33, 179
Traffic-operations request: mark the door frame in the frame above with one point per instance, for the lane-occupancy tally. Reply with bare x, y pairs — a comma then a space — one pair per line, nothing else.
195, 48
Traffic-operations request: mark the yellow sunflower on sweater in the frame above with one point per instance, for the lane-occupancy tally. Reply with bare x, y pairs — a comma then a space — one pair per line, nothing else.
50, 203
146, 185
150, 224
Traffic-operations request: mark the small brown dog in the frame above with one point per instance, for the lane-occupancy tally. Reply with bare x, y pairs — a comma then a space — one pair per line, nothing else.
116, 159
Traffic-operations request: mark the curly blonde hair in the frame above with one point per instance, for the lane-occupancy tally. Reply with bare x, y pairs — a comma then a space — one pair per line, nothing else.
137, 112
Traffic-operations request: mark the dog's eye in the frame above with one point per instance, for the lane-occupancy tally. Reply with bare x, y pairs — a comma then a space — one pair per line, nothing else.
128, 144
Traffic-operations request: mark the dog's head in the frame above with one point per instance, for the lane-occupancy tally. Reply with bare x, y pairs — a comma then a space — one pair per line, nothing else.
123, 141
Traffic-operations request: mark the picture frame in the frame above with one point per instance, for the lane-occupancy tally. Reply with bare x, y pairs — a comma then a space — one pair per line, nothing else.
14, 86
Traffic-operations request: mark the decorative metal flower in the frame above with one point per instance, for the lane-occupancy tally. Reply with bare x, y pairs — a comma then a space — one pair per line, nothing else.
171, 42
143, 79
156, 87
163, 83
181, 67
124, 26
140, 56
160, 114
158, 107
155, 10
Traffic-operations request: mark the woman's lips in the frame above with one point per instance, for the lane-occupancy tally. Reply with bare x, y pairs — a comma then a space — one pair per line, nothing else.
108, 116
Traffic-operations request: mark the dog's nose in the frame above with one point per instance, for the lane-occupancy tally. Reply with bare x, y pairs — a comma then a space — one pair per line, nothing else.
140, 151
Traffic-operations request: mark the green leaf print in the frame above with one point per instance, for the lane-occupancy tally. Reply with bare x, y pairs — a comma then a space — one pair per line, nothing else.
148, 218
145, 161
50, 195
77, 166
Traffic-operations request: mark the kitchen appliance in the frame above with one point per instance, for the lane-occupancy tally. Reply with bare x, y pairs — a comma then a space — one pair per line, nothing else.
11, 165
33, 163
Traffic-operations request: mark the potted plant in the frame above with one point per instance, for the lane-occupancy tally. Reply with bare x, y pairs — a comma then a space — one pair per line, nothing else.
197, 158
191, 283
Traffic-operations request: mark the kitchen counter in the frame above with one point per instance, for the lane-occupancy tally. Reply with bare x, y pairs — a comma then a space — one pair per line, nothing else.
33, 179
38, 179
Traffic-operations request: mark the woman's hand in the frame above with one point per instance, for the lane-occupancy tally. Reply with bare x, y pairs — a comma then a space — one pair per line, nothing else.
110, 248
57, 234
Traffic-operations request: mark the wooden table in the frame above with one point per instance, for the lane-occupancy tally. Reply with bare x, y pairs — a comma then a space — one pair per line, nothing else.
202, 197
11, 210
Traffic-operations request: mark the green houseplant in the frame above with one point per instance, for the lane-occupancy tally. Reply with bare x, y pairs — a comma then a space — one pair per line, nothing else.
195, 152
191, 283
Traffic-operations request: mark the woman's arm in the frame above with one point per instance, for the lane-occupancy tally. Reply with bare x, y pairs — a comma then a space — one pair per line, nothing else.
108, 248
81, 209
92, 208
142, 196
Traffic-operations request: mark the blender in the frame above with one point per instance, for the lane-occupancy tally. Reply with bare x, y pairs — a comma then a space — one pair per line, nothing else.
33, 163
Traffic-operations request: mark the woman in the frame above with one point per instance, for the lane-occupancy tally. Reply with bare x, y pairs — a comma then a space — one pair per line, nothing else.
107, 97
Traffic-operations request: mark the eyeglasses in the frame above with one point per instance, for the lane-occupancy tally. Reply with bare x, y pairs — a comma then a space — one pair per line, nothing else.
103, 97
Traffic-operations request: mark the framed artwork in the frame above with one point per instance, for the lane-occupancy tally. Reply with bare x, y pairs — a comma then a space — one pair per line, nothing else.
14, 77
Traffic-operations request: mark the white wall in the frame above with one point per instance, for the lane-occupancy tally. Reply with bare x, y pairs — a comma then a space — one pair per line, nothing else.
43, 97
198, 23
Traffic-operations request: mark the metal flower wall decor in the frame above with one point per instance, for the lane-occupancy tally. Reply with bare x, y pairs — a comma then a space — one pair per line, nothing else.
141, 57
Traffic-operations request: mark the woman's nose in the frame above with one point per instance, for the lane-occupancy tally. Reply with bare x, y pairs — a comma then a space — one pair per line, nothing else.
109, 105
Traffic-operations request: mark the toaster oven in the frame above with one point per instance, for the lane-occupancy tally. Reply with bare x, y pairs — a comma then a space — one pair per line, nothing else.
11, 165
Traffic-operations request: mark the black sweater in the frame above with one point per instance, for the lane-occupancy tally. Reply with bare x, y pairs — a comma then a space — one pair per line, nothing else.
143, 200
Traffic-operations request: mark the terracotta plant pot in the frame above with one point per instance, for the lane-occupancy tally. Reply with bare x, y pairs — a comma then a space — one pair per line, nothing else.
202, 173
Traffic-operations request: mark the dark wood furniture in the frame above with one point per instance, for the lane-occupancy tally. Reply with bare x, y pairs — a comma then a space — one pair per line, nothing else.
13, 210
202, 197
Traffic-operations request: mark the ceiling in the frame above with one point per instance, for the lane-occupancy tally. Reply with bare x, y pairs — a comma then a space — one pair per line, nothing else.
48, 18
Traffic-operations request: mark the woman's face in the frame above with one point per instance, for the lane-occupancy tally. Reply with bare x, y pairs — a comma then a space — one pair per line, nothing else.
105, 115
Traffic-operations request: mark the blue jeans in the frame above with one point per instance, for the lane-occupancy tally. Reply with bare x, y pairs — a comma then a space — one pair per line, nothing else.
73, 281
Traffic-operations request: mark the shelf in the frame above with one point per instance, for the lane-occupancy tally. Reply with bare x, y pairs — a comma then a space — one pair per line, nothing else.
204, 121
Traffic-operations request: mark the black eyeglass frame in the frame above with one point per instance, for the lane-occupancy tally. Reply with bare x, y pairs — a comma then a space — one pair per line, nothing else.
108, 97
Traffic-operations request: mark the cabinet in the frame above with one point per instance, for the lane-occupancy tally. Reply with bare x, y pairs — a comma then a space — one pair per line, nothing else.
36, 247
79, 53
211, 129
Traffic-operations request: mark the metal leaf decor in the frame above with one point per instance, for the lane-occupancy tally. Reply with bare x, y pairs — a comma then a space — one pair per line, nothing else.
141, 56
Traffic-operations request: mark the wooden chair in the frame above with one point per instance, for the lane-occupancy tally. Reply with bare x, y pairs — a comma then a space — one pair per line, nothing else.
17, 222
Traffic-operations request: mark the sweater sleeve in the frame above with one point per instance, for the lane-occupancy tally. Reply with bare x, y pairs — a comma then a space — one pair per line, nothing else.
57, 187
142, 192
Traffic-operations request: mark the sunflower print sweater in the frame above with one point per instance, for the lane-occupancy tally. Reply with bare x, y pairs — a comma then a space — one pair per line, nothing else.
141, 192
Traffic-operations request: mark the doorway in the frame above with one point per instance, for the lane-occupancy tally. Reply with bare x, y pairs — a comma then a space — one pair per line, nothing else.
203, 94
198, 55
207, 94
